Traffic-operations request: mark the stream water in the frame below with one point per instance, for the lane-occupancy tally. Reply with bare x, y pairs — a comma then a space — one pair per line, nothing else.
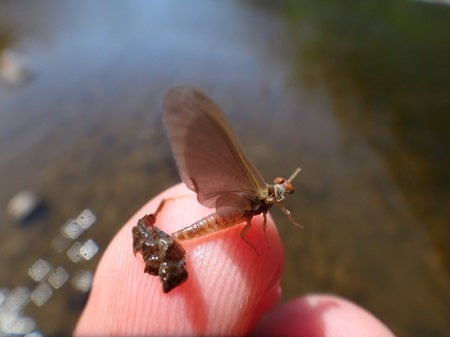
357, 96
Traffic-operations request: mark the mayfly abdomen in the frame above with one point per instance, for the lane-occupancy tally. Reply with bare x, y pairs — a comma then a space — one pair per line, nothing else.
209, 224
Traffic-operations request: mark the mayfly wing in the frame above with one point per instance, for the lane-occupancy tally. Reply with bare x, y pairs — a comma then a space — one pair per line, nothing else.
208, 157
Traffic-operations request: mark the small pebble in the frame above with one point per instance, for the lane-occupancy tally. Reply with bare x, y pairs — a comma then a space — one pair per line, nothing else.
23, 205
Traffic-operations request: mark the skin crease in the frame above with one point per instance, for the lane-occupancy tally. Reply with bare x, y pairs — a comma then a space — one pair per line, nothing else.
228, 290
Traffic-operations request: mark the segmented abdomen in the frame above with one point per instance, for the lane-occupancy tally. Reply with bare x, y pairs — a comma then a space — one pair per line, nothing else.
209, 224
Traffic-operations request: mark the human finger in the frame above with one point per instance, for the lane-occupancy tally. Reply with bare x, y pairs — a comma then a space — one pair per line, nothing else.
318, 315
228, 289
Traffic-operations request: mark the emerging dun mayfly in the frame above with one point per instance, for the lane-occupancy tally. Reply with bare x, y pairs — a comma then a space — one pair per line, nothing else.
211, 163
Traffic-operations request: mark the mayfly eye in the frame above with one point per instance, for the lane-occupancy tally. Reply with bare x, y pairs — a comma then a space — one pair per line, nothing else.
279, 180
288, 187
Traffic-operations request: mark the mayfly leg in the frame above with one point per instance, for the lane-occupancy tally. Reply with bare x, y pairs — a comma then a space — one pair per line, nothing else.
244, 231
264, 228
151, 218
284, 209
163, 202
289, 215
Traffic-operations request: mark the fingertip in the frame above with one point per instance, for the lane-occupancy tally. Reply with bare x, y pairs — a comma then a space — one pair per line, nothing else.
322, 316
228, 282
228, 289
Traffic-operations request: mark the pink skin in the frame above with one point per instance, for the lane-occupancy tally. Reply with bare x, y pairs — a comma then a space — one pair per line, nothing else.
318, 315
228, 291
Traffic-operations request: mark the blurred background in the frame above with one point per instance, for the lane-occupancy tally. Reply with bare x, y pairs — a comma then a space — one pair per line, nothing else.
356, 93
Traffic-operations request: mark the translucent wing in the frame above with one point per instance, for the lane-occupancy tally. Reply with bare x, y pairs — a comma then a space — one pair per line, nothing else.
208, 157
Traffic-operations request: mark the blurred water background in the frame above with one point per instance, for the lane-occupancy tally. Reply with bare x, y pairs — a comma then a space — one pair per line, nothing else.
354, 92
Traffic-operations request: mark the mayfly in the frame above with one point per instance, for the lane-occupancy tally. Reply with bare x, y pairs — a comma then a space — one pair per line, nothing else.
211, 163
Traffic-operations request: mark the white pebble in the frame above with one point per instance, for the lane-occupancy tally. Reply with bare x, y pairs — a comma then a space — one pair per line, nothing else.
22, 205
